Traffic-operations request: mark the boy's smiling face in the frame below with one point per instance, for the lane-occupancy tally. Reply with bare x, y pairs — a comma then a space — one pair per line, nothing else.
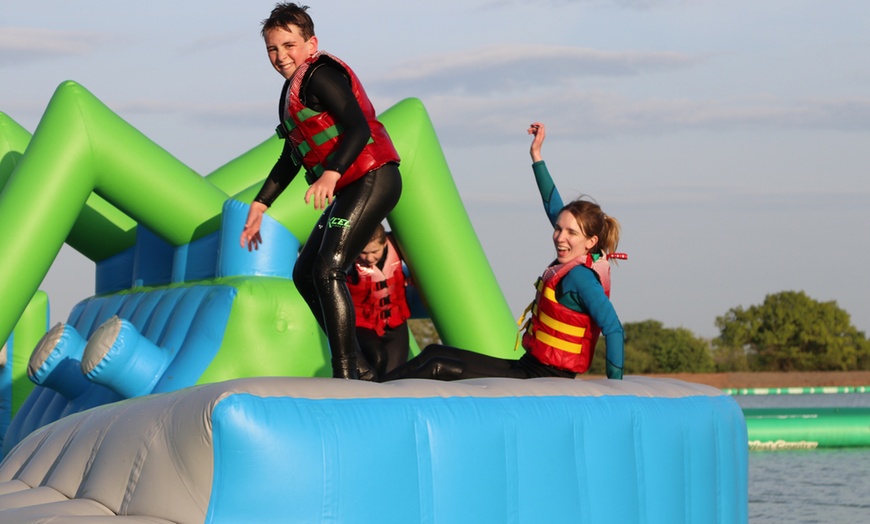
288, 49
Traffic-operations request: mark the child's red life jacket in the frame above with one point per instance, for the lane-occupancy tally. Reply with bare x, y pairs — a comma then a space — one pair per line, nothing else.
315, 135
379, 296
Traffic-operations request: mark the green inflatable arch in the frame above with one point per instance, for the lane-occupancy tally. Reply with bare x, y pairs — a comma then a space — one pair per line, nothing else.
97, 178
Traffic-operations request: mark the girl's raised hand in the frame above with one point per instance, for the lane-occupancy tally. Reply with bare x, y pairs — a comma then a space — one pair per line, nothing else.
539, 132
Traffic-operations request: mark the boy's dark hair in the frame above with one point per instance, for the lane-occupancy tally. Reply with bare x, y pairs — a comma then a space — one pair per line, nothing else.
286, 14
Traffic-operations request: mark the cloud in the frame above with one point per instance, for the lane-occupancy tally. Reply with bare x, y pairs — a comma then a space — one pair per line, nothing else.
626, 4
258, 115
209, 44
511, 68
588, 115
27, 44
476, 96
746, 199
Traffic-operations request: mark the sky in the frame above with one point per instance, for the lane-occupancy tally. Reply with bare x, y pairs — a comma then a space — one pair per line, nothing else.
730, 139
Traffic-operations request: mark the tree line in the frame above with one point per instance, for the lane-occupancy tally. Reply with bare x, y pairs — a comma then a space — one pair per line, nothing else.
789, 331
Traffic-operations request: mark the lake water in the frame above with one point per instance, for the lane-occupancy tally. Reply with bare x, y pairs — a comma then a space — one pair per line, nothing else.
830, 486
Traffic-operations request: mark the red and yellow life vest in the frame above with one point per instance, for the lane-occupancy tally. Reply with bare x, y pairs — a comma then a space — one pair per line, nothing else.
555, 334
379, 296
315, 135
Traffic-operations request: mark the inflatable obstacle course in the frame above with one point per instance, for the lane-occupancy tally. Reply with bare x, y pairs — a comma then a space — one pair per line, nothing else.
325, 450
150, 402
153, 226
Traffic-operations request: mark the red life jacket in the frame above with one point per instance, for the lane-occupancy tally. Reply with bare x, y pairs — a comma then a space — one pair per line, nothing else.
379, 296
315, 135
555, 334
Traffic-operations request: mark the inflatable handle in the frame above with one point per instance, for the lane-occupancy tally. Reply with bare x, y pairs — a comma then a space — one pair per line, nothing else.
120, 358
274, 258
56, 362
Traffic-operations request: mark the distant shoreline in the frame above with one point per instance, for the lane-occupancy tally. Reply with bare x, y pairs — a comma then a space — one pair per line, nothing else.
765, 379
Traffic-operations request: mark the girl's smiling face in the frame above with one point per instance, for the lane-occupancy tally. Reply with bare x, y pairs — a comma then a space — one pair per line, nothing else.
569, 240
288, 49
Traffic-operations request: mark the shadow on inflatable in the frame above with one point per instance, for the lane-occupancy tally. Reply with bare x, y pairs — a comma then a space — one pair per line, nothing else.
192, 386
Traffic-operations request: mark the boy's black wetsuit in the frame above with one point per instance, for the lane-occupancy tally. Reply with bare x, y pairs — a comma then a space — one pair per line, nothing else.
346, 225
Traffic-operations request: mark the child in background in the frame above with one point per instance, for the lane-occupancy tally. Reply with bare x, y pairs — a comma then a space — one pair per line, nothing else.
377, 286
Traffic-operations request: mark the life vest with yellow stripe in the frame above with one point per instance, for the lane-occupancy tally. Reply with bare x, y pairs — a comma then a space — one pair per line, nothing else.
379, 296
555, 334
315, 135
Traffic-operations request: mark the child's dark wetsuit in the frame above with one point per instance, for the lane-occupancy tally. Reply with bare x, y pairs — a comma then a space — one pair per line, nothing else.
333, 102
